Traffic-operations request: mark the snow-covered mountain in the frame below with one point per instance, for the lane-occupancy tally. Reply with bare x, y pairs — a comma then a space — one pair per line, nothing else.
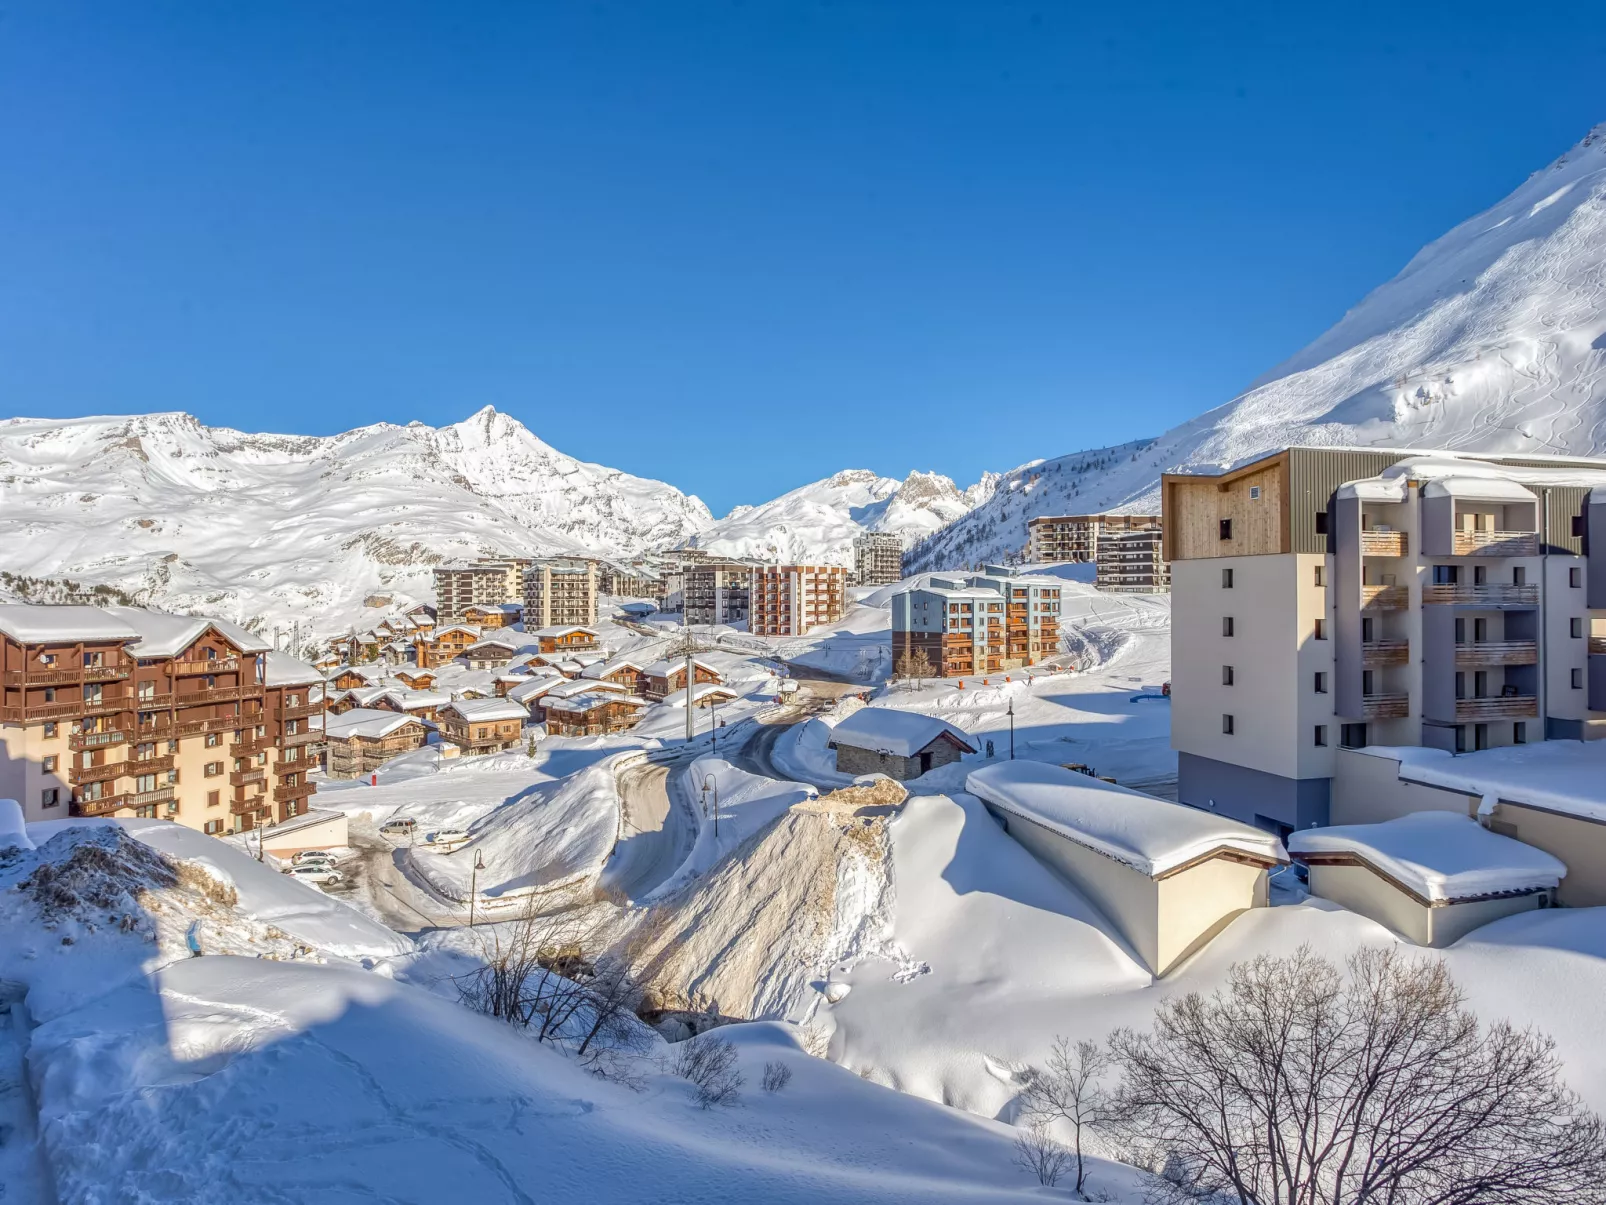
1492, 339
816, 523
272, 528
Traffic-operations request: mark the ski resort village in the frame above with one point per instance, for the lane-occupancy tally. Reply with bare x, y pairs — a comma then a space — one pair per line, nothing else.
411, 812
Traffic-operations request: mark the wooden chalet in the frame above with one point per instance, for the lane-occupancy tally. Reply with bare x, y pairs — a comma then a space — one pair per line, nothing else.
445, 646
483, 725
492, 615
624, 672
567, 638
360, 741
594, 713
489, 654
415, 679
663, 678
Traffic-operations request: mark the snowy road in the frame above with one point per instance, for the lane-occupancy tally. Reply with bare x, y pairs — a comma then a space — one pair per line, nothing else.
656, 834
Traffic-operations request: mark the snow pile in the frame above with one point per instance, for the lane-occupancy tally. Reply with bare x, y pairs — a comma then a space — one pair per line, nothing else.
1438, 855
1561, 776
1148, 834
13, 830
900, 733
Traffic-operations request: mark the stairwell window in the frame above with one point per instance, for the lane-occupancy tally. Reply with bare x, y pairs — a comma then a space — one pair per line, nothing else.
1575, 628
1320, 577
1226, 529
1226, 625
1226, 579
1321, 736
1226, 725
1226, 675
1578, 679
1575, 577
1321, 629
1321, 683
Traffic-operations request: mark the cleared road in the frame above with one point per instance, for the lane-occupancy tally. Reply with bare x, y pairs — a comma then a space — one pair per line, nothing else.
655, 835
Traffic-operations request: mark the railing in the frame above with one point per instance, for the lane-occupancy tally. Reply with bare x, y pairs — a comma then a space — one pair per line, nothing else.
1494, 543
251, 743
78, 775
149, 765
1385, 598
1384, 543
101, 806
1597, 646
144, 799
301, 710
240, 778
1385, 707
68, 677
61, 711
1385, 652
96, 740
1496, 707
1497, 652
1501, 594
290, 741
214, 665
299, 791
225, 723
154, 702
215, 694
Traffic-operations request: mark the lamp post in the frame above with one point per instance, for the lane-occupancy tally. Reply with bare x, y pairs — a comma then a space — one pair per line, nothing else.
1012, 730
710, 784
474, 884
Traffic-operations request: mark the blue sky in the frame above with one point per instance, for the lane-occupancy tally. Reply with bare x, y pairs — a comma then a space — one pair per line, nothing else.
737, 245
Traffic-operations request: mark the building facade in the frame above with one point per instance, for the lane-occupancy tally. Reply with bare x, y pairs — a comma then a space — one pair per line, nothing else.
1055, 538
982, 623
1328, 598
793, 600
486, 582
877, 559
1133, 562
717, 592
560, 590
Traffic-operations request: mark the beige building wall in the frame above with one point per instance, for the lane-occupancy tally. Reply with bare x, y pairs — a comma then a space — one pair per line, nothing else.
1367, 790
1580, 844
23, 751
1197, 903
1363, 891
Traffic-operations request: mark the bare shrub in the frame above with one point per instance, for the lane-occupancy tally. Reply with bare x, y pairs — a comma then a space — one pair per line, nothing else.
1296, 1083
710, 1064
199, 877
534, 974
1068, 1088
776, 1076
1039, 1154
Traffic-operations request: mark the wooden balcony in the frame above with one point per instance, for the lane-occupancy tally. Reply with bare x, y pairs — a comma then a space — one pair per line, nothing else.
67, 677
1378, 653
103, 806
204, 665
1597, 646
223, 723
1500, 594
1385, 707
96, 740
1385, 598
1384, 543
40, 712
215, 694
301, 790
1497, 707
154, 702
1494, 543
300, 711
1496, 652
145, 799
78, 775
149, 765
250, 743
241, 778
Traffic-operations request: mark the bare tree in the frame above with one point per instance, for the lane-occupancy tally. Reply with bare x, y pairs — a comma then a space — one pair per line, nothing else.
1038, 1153
710, 1064
776, 1076
914, 666
1299, 1085
1068, 1089
533, 972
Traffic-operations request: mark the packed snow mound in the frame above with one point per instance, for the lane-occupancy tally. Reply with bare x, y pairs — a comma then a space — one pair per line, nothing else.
1492, 339
816, 523
266, 529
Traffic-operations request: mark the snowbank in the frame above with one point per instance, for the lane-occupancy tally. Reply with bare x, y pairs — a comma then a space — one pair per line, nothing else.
13, 830
1563, 776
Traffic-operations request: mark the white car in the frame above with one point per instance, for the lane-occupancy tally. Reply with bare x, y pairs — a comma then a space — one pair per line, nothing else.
447, 836
313, 855
315, 872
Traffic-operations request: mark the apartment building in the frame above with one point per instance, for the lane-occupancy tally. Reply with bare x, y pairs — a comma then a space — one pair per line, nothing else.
717, 592
981, 623
1056, 538
877, 559
560, 590
1133, 562
487, 582
792, 600
638, 579
117, 711
1328, 598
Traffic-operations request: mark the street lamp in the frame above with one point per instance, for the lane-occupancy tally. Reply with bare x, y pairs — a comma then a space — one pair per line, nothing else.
1012, 730
710, 784
474, 884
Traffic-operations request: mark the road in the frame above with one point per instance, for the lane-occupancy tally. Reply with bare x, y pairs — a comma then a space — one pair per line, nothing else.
377, 876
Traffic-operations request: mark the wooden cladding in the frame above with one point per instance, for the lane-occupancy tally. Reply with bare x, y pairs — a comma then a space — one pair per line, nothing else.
1497, 707
1497, 652
1498, 594
1384, 543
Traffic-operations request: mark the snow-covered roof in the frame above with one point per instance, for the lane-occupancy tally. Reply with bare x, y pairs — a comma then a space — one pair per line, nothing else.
477, 710
668, 665
366, 722
409, 699
699, 692
1375, 489
1558, 776
468, 629
594, 698
285, 670
976, 592
601, 669
484, 646
499, 608
534, 688
1437, 855
368, 673
164, 635
29, 624
900, 733
364, 695
564, 630
1148, 834
1492, 489
568, 688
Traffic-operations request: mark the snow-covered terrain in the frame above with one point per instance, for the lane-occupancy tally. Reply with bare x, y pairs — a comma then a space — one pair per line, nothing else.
1492, 339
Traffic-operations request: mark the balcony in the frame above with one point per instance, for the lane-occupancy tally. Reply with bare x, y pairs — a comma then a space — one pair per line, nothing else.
1494, 543
149, 765
251, 743
145, 799
1378, 653
1384, 543
301, 710
96, 740
1385, 598
222, 723
1501, 594
1497, 707
300, 791
215, 694
1496, 652
1597, 646
213, 665
103, 806
240, 778
78, 775
36, 712
1385, 707
153, 702
67, 677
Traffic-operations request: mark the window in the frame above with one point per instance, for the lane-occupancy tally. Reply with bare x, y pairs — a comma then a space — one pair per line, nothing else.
1321, 683
1254, 493
50, 764
212, 769
1226, 725
1446, 575
1519, 733
212, 827
1321, 577
1226, 625
1461, 738
213, 798
1578, 679
1352, 736
50, 797
1578, 525
1575, 628
50, 730
213, 740
1321, 629
1226, 579
50, 694
47, 658
1226, 675
1321, 736
1575, 577
1321, 522
1519, 575
1226, 529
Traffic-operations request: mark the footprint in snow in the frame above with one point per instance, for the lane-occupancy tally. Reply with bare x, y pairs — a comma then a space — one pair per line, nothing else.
910, 972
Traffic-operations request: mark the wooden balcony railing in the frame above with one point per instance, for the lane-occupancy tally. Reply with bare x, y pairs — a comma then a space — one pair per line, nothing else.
142, 799
251, 743
66, 677
96, 740
1499, 594
149, 765
1384, 543
1375, 653
301, 710
1496, 652
204, 665
103, 806
38, 712
1385, 707
299, 791
154, 702
240, 778
215, 694
1385, 598
1496, 707
223, 723
1597, 646
79, 775
1495, 543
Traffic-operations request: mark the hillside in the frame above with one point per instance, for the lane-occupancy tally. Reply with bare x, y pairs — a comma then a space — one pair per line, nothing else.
1492, 339
266, 529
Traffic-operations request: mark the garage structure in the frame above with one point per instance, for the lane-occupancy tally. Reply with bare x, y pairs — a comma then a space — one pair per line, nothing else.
899, 744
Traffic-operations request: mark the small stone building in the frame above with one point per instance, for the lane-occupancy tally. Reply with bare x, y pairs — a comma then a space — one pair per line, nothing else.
899, 744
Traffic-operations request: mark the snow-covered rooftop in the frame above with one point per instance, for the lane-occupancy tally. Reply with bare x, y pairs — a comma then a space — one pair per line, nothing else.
364, 695
534, 688
601, 669
568, 688
900, 733
586, 700
1494, 489
164, 635
668, 665
285, 670
1560, 776
366, 722
477, 710
564, 630
1149, 834
409, 700
31, 624
489, 645
1437, 855
701, 691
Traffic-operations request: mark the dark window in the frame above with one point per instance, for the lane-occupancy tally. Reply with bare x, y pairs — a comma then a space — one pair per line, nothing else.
1226, 725
1226, 529
1480, 736
1446, 575
1578, 525
50, 797
1575, 628
1321, 576
1226, 675
1575, 577
1461, 738
1226, 578
1226, 625
1578, 679
1321, 522
1321, 629
1321, 736
1321, 683
1352, 736
1519, 733
1519, 575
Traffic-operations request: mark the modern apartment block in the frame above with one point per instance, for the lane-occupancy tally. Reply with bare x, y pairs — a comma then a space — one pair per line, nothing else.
1133, 562
877, 559
122, 712
1057, 538
792, 600
987, 622
1326, 598
717, 592
560, 590
638, 579
488, 582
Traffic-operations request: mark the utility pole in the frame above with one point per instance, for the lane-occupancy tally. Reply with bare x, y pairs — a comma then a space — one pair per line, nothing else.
690, 721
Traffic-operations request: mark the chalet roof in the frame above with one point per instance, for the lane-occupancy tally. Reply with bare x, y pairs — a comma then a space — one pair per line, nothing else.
368, 673
567, 689
30, 624
467, 629
366, 722
407, 700
534, 688
664, 667
363, 695
478, 710
486, 645
565, 630
592, 699
285, 670
164, 635
602, 669
700, 692
900, 733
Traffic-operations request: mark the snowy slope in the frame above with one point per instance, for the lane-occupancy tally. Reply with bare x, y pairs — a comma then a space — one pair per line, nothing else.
273, 528
816, 523
1492, 339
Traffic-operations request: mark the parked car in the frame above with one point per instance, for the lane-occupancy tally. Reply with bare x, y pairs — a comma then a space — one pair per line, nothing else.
316, 872
313, 855
447, 837
404, 827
